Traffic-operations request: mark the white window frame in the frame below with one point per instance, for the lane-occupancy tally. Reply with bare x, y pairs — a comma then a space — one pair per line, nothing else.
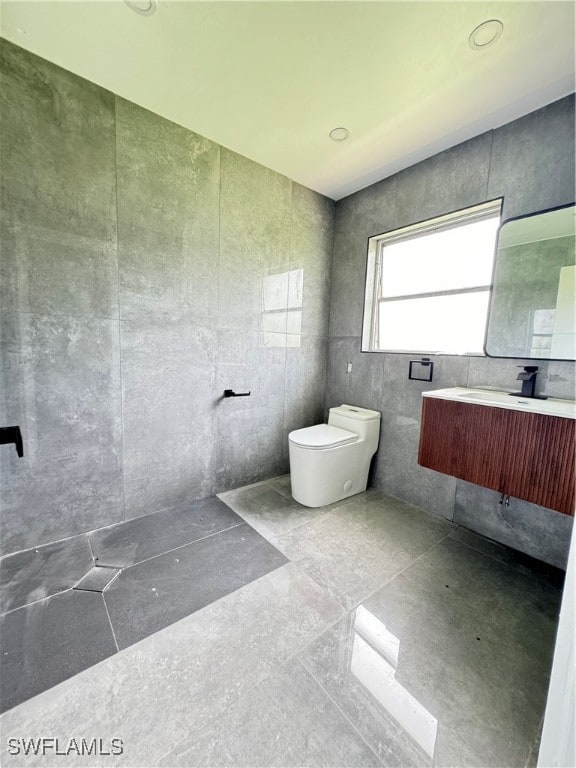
376, 244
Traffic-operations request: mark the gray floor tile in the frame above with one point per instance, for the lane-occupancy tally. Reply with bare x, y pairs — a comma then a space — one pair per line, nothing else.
268, 510
460, 636
448, 664
151, 694
357, 547
50, 641
281, 485
286, 720
151, 595
145, 537
512, 557
43, 571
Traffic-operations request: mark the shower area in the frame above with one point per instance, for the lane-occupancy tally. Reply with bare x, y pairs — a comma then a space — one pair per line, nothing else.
144, 271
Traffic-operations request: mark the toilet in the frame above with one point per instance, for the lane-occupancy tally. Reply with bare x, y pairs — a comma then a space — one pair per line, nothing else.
329, 462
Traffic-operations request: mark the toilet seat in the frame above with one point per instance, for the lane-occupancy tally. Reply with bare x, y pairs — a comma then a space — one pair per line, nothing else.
321, 436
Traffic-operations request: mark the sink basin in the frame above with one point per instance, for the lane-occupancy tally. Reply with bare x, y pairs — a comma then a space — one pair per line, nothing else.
552, 407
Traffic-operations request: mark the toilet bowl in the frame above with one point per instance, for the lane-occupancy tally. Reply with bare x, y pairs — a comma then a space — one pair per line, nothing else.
329, 462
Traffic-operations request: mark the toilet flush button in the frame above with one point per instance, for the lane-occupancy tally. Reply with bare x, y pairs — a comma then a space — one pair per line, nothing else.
347, 485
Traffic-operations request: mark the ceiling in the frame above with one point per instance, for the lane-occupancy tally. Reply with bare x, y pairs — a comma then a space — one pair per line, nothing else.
270, 80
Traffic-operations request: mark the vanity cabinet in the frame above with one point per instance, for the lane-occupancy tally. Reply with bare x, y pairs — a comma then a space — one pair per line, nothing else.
526, 455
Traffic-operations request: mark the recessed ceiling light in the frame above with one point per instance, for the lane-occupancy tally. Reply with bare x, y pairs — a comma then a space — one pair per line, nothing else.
485, 34
339, 134
143, 7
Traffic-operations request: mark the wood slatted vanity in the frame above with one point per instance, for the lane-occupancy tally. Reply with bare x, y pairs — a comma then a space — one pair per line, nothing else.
520, 447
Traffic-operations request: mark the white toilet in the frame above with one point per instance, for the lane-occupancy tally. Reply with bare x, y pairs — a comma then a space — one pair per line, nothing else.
329, 462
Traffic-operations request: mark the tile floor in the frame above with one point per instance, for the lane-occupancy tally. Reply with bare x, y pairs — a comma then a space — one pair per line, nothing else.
149, 564
378, 635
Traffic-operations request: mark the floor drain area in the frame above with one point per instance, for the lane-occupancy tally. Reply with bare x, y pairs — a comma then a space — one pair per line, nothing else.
98, 579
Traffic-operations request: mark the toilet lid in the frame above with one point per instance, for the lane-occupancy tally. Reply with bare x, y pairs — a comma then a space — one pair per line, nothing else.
322, 436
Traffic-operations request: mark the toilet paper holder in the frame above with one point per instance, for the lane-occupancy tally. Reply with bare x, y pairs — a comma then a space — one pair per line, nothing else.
231, 393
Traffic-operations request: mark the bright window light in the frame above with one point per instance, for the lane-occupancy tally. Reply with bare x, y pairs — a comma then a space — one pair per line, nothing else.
428, 285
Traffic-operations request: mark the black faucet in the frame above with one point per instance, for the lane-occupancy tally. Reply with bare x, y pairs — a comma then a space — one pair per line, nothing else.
528, 379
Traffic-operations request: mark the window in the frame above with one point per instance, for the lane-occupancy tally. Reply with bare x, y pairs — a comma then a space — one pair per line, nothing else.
428, 285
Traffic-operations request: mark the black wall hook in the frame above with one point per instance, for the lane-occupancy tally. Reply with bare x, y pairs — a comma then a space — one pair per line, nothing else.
231, 393
12, 435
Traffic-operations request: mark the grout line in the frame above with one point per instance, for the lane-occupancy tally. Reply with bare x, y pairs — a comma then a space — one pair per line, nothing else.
174, 549
40, 600
49, 543
346, 718
58, 314
274, 664
110, 622
286, 367
121, 567
490, 166
175, 508
214, 452
510, 566
123, 504
331, 271
91, 551
399, 573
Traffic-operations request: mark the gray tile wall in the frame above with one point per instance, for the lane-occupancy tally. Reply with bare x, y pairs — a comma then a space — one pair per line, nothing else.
136, 262
531, 163
140, 270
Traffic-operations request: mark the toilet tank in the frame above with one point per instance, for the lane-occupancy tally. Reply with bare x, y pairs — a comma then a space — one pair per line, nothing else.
362, 421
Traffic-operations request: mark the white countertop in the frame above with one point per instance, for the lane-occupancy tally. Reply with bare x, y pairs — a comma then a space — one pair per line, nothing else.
565, 409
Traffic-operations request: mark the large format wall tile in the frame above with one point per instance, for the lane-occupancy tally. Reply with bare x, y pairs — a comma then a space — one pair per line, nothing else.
250, 442
396, 467
168, 378
120, 225
59, 276
58, 497
60, 383
250, 446
254, 244
57, 147
249, 361
305, 383
369, 212
533, 160
541, 533
340, 351
529, 162
52, 271
555, 377
311, 241
446, 182
168, 197
60, 258
167, 472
